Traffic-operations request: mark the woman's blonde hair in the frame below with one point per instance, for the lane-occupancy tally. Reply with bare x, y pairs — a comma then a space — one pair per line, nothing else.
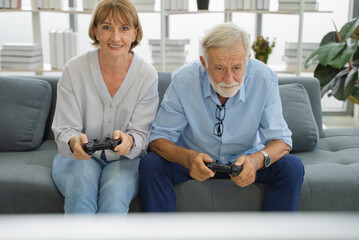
225, 35
115, 9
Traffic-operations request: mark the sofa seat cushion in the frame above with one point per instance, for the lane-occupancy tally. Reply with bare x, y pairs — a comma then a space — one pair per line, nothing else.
26, 184
24, 107
339, 146
331, 180
297, 112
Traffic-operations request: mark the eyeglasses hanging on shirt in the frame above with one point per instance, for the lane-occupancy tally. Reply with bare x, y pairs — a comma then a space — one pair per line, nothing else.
220, 115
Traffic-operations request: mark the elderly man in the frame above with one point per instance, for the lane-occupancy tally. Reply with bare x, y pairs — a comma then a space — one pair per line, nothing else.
223, 107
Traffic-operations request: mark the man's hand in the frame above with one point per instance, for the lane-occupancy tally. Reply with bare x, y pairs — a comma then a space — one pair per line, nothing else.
198, 170
248, 174
126, 142
76, 145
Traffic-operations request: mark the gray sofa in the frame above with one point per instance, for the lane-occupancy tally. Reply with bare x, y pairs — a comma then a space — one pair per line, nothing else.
27, 149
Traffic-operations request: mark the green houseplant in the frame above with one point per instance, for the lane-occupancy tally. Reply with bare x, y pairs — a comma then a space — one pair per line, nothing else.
338, 57
262, 48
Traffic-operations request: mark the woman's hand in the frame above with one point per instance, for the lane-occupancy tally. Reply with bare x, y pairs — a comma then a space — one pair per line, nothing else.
126, 142
76, 145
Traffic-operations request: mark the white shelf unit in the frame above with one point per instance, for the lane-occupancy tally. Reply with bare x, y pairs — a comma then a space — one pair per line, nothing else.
228, 17
36, 27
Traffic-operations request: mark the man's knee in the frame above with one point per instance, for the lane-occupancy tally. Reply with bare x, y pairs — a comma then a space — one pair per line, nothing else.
152, 163
292, 168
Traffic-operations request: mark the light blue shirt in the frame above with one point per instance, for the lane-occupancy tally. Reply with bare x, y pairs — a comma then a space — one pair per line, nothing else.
253, 115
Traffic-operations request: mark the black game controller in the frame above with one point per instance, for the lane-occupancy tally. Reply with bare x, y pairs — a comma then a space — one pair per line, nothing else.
96, 145
225, 168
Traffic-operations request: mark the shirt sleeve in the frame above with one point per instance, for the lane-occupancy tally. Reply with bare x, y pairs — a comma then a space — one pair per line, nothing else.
171, 119
272, 124
67, 119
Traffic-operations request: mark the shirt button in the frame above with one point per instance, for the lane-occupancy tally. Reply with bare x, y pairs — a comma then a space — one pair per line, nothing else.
110, 105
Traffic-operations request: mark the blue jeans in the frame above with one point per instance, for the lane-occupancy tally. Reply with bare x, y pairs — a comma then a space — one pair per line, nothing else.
157, 176
96, 185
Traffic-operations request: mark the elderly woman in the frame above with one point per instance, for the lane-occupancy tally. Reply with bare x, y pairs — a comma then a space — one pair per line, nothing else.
109, 92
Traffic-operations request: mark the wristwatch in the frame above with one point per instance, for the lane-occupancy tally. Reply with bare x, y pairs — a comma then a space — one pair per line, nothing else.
266, 159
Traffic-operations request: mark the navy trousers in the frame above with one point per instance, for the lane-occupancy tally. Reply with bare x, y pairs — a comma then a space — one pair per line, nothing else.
157, 176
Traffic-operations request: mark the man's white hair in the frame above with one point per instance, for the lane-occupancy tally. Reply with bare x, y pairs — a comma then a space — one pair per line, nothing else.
225, 35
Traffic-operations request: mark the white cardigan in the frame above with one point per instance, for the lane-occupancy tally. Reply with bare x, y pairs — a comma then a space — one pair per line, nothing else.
84, 104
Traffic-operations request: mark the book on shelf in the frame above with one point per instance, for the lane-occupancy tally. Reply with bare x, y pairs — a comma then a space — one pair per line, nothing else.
176, 5
292, 52
169, 67
21, 53
21, 59
290, 55
305, 45
145, 7
246, 4
310, 6
179, 60
19, 65
15, 4
175, 53
293, 67
296, 1
52, 39
157, 54
60, 52
67, 44
20, 46
169, 41
63, 46
89, 4
5, 3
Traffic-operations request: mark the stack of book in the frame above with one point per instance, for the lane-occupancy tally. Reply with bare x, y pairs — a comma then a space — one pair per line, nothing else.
246, 5
46, 4
10, 4
21, 56
89, 4
63, 46
175, 53
144, 5
290, 55
290, 5
176, 5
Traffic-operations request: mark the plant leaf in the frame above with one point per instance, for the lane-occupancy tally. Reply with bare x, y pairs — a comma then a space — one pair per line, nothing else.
355, 94
348, 28
325, 74
329, 37
338, 87
343, 57
327, 87
349, 84
312, 57
355, 58
328, 52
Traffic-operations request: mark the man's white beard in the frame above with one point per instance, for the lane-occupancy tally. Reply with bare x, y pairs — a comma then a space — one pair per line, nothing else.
224, 89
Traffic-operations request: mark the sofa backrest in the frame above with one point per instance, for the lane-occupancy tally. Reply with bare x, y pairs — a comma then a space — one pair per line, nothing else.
310, 84
312, 87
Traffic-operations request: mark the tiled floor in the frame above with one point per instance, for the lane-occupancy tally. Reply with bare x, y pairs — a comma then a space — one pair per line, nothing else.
339, 122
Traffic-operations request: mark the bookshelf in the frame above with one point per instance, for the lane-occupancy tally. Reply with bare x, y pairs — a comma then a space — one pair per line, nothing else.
164, 22
258, 26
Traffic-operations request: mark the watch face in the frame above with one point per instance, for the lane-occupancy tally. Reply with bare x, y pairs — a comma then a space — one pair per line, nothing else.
267, 162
